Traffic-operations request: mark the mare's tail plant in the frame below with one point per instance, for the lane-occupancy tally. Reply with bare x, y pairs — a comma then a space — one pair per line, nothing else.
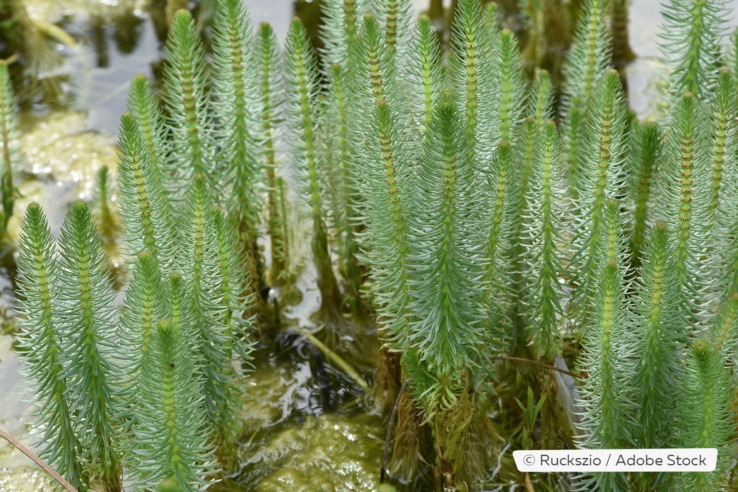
146, 213
41, 348
706, 414
543, 263
164, 426
10, 143
599, 176
645, 150
73, 335
106, 220
681, 199
473, 226
171, 431
586, 64
178, 340
607, 394
236, 101
302, 85
382, 199
691, 45
342, 181
220, 267
86, 322
270, 99
217, 282
445, 335
187, 100
183, 327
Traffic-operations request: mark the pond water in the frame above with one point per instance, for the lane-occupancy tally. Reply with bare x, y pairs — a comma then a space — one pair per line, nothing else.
289, 438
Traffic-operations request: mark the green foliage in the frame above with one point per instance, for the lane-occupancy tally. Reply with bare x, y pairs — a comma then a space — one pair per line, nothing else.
196, 322
682, 197
145, 303
691, 44
721, 214
341, 21
85, 320
148, 386
302, 85
10, 143
145, 110
41, 348
342, 181
500, 210
706, 414
426, 72
659, 324
447, 329
472, 78
386, 212
607, 394
543, 263
599, 176
236, 101
512, 83
724, 151
106, 222
397, 18
542, 98
186, 100
146, 215
645, 150
459, 215
269, 97
586, 64
171, 431
383, 192
531, 409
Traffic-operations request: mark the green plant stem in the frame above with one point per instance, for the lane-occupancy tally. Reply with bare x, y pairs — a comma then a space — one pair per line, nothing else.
303, 80
10, 146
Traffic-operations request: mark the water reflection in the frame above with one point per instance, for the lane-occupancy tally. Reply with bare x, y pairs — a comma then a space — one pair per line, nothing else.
124, 30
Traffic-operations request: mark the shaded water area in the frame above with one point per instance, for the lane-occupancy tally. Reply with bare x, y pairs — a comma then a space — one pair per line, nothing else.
306, 426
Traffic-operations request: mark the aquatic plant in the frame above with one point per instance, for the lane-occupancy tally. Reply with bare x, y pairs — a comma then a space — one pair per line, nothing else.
301, 85
9, 140
163, 402
236, 101
691, 41
89, 413
487, 243
37, 285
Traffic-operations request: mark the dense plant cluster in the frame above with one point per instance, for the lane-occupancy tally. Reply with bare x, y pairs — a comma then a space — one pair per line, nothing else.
472, 215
